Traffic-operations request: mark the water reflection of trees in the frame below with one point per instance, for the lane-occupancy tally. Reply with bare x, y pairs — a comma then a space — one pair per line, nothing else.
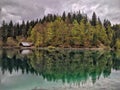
68, 66
14, 62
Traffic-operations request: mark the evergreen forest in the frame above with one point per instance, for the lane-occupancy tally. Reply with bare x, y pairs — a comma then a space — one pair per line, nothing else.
69, 30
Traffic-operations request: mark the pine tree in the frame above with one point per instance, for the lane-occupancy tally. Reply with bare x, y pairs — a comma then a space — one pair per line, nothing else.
64, 16
18, 29
23, 29
94, 19
107, 23
4, 33
14, 33
69, 18
74, 17
10, 28
99, 21
79, 17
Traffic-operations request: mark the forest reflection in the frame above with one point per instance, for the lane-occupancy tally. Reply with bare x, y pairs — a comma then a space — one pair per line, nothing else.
67, 65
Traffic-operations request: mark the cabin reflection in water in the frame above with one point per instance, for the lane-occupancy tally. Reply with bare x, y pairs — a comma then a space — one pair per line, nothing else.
26, 51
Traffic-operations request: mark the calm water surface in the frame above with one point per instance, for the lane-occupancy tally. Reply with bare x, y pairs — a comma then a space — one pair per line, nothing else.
59, 70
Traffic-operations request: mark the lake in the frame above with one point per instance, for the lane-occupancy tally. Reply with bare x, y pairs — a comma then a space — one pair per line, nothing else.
61, 69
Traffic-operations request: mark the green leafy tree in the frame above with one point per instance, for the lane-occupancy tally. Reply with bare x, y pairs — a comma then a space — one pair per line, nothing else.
117, 44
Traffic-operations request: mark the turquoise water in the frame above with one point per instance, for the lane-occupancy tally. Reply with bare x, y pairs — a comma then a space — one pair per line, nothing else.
59, 70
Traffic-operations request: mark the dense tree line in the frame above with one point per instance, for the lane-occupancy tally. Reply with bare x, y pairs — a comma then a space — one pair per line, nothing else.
67, 30
13, 30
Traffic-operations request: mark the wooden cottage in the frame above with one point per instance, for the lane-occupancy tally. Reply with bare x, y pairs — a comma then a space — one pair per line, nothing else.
26, 44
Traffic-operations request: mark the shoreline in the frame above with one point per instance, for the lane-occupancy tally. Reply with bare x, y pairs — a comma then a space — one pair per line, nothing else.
70, 48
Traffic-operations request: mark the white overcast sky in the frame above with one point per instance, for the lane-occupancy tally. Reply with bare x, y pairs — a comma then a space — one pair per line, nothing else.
18, 10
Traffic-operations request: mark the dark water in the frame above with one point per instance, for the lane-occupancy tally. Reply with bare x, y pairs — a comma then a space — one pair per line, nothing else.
59, 70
